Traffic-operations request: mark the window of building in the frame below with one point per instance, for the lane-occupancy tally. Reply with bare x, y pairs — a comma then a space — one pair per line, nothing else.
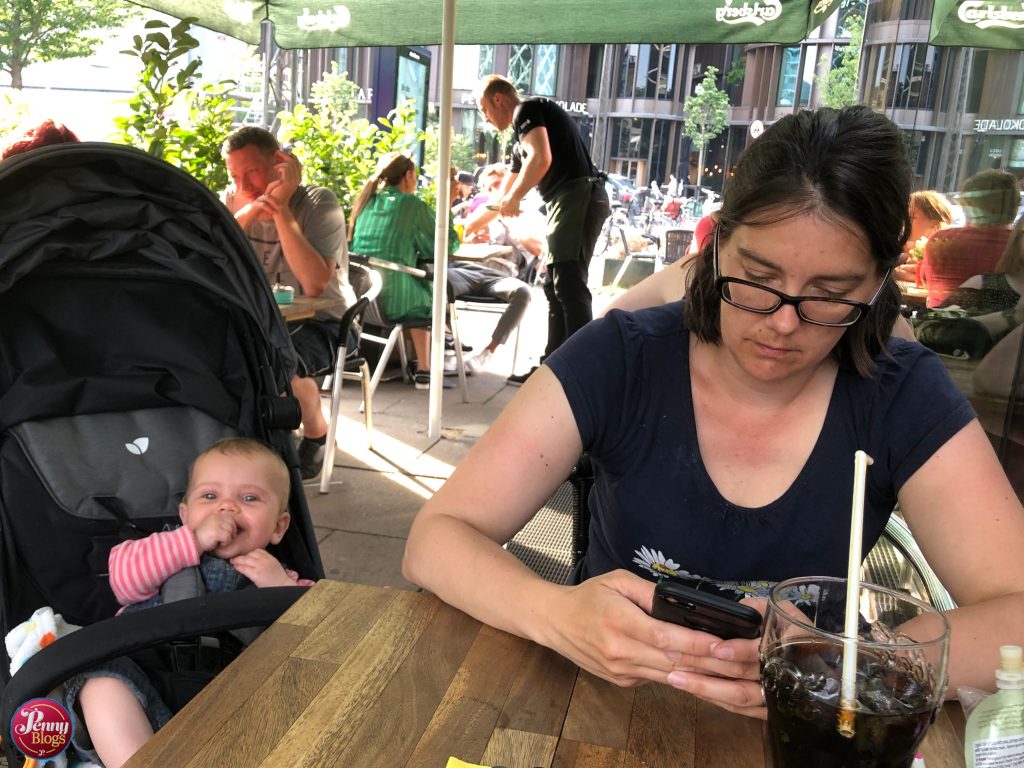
486, 61
788, 74
1016, 154
647, 71
878, 66
627, 71
977, 81
948, 81
660, 144
810, 60
660, 70
913, 79
898, 10
545, 69
520, 66
595, 71
904, 76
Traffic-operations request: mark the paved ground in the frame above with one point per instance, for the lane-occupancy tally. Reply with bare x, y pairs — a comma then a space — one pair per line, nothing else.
363, 522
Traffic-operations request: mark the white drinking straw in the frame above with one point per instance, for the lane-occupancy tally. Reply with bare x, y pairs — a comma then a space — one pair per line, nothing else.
849, 693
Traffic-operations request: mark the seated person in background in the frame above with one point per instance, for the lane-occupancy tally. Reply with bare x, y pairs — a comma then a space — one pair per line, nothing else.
298, 234
989, 199
469, 279
722, 432
524, 232
929, 212
236, 505
390, 222
42, 135
998, 291
464, 190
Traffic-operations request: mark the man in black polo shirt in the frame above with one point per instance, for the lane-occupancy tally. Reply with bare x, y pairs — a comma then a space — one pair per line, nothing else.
551, 156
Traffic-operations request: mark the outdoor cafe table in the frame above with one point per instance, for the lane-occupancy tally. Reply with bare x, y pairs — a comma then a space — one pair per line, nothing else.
304, 307
480, 251
367, 677
913, 296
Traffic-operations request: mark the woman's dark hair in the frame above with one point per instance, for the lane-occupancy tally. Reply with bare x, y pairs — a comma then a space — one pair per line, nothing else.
847, 166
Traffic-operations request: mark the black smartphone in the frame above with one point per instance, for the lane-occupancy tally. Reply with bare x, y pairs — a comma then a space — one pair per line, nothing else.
703, 611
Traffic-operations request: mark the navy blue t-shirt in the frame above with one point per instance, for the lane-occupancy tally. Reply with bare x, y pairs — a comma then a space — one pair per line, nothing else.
655, 510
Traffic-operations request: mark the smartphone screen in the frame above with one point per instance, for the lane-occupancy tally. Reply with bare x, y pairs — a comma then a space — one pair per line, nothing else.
705, 612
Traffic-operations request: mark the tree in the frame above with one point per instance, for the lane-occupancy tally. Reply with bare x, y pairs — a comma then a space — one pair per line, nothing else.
173, 117
13, 112
48, 30
705, 115
838, 86
463, 150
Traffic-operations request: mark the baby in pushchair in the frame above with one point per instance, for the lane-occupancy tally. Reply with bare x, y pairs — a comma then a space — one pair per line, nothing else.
136, 330
235, 506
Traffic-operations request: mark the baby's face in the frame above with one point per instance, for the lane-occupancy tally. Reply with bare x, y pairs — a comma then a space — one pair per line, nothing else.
241, 488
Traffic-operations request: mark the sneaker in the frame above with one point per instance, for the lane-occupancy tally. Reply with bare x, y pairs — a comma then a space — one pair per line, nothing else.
476, 363
449, 343
421, 379
451, 366
311, 458
520, 378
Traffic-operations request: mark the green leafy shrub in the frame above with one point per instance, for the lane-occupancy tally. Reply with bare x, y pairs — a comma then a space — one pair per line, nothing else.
173, 117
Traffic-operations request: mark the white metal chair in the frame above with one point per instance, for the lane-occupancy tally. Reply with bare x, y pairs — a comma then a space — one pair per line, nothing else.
474, 304
374, 318
350, 365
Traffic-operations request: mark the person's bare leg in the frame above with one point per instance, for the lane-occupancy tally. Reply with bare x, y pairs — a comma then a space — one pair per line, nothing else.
117, 724
308, 394
421, 346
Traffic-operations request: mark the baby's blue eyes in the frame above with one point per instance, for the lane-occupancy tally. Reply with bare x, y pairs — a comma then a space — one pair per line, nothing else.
248, 498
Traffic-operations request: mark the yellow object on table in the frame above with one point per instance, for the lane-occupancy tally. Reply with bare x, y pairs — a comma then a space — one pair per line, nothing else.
454, 762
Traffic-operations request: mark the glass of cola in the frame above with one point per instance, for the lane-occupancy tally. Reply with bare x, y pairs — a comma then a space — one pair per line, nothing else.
898, 686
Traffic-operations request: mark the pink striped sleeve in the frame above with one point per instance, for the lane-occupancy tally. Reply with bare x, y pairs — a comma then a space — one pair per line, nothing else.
139, 568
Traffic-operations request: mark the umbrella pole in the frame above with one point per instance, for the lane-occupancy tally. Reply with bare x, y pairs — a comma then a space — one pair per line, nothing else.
441, 226
266, 45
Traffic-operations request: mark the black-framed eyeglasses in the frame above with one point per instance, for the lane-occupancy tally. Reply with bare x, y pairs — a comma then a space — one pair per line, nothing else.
816, 310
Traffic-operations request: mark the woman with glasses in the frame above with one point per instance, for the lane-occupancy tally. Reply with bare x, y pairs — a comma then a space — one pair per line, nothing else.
722, 431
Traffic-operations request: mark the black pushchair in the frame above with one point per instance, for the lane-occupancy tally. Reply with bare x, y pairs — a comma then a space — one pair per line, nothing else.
136, 327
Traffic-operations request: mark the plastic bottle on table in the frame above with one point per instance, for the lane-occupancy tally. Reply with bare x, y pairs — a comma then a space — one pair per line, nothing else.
994, 737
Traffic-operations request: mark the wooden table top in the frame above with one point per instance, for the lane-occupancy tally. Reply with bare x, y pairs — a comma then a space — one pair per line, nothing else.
362, 677
304, 307
480, 251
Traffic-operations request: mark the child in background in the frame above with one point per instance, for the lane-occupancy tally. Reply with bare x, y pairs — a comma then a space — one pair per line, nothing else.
234, 507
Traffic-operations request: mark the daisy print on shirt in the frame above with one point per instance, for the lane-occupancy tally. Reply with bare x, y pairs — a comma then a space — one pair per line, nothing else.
655, 562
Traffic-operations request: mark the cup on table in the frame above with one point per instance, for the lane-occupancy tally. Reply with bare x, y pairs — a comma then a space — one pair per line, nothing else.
283, 294
899, 687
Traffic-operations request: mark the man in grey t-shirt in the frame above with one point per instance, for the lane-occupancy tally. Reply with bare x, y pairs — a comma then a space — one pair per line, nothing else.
298, 233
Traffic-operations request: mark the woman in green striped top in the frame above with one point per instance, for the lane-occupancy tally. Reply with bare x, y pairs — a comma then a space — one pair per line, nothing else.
390, 222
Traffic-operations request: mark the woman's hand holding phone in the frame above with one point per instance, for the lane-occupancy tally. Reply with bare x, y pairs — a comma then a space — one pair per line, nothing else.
729, 674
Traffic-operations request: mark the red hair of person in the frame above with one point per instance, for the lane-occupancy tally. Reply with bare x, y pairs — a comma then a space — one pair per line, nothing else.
44, 134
